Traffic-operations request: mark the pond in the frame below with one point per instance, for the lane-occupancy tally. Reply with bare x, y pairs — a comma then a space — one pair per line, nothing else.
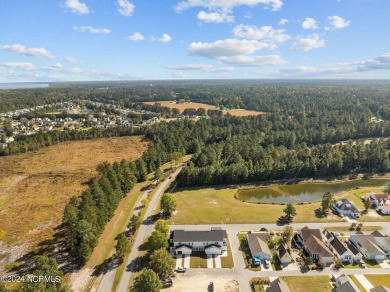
304, 192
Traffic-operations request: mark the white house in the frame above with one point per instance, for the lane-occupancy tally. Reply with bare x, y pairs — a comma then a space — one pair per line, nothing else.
213, 241
377, 200
382, 241
368, 246
340, 250
384, 209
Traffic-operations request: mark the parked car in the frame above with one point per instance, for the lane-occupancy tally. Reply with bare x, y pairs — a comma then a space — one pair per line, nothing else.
211, 287
362, 264
181, 269
266, 264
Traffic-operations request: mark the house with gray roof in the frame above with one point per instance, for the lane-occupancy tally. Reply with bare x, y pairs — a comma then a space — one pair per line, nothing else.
368, 246
383, 241
257, 243
345, 208
278, 285
283, 255
212, 241
345, 284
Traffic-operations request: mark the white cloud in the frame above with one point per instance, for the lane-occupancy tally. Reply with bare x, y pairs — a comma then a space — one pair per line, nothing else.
266, 60
77, 7
236, 52
57, 66
126, 8
70, 59
248, 15
92, 29
310, 71
338, 22
215, 17
165, 38
199, 67
266, 33
227, 47
378, 63
136, 37
309, 23
31, 52
225, 5
18, 65
283, 21
308, 43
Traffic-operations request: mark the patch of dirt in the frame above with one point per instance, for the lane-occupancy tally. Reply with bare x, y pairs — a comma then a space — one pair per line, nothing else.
79, 280
232, 286
372, 213
9, 254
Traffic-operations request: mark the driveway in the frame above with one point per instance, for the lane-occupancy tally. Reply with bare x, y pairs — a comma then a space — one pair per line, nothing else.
186, 261
217, 259
210, 264
385, 265
179, 261
365, 283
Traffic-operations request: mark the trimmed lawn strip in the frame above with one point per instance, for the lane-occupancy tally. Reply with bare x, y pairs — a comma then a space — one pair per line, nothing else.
246, 254
198, 260
377, 280
257, 284
307, 283
357, 283
227, 262
346, 228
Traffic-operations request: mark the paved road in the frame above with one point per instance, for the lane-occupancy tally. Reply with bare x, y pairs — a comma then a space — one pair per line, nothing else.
144, 231
243, 275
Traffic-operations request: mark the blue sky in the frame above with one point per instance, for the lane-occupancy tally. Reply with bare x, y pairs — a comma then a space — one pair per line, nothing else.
60, 40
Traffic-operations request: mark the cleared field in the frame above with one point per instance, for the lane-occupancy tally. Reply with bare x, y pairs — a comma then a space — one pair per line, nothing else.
219, 205
377, 280
182, 106
304, 284
34, 187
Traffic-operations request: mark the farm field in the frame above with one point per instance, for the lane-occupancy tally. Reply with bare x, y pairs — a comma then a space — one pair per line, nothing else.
183, 106
40, 183
219, 205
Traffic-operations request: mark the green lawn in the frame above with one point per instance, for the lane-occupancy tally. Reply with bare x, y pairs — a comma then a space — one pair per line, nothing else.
246, 254
357, 283
377, 280
347, 228
227, 262
309, 283
257, 284
198, 260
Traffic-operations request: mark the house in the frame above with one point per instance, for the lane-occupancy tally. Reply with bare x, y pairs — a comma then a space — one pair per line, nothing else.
314, 246
382, 241
377, 200
283, 255
345, 284
278, 285
384, 209
213, 241
357, 255
257, 243
340, 250
368, 247
345, 208
380, 289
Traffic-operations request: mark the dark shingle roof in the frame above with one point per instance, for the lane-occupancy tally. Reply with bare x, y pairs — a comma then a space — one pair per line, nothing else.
282, 252
316, 246
380, 289
345, 205
352, 248
257, 243
198, 236
338, 245
278, 285
376, 233
306, 232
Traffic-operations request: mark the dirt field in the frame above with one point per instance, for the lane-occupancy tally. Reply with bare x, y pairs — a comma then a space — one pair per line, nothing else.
199, 281
34, 187
183, 106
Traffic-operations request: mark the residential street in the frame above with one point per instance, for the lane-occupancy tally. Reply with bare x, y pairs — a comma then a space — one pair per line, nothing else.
243, 275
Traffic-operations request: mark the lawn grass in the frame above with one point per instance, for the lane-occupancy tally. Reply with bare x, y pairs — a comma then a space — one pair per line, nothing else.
377, 280
347, 228
182, 106
357, 283
257, 284
246, 254
227, 262
198, 260
41, 183
218, 205
308, 283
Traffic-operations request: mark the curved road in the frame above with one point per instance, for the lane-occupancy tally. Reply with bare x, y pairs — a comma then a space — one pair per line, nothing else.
144, 231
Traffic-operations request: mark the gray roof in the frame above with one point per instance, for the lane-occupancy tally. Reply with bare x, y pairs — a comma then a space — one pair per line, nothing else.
367, 242
257, 243
278, 285
306, 232
348, 287
199, 236
345, 205
376, 233
380, 289
316, 246
282, 252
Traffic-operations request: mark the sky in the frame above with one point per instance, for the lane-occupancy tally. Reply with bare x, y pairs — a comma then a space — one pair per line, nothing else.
77, 40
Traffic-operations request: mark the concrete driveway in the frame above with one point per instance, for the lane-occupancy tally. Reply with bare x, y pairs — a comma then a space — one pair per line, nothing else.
365, 283
187, 259
217, 260
210, 263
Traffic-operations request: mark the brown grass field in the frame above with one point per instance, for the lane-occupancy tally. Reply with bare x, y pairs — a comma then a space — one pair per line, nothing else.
183, 106
35, 186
